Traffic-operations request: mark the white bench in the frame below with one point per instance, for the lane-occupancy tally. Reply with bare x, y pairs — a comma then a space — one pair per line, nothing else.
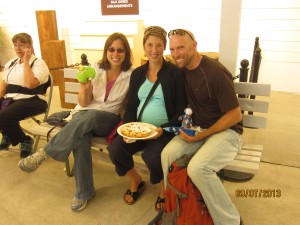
254, 116
247, 159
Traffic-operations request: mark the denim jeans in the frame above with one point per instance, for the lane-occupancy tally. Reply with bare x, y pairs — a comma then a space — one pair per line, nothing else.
76, 136
209, 156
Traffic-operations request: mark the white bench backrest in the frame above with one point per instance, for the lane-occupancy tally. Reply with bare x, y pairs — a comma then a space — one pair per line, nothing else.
71, 85
259, 107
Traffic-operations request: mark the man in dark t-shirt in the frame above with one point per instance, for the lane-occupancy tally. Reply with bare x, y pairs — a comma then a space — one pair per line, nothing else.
211, 96
211, 93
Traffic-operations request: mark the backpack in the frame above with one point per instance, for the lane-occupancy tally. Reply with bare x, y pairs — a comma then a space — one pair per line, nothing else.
184, 204
57, 119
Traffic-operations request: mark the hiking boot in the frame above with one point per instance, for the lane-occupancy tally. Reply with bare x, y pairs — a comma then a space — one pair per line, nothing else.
5, 142
31, 163
80, 204
26, 148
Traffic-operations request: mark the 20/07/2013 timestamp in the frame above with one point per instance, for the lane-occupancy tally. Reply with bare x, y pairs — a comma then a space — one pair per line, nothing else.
258, 193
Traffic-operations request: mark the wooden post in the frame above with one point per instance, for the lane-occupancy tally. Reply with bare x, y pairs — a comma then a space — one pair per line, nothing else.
56, 58
53, 50
47, 26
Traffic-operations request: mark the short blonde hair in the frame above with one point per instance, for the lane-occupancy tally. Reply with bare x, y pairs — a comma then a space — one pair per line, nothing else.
155, 31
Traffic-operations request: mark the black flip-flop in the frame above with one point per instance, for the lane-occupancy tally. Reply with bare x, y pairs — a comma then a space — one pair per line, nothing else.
135, 194
158, 201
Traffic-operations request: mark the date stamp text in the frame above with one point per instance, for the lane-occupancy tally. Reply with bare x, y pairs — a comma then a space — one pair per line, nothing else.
258, 193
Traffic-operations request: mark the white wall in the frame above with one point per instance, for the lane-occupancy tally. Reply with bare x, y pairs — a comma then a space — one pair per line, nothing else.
277, 23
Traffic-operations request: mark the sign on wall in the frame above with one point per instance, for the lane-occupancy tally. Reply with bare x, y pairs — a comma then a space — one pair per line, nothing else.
120, 7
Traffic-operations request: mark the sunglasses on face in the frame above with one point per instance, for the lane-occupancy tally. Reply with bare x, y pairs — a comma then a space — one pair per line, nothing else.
119, 50
180, 32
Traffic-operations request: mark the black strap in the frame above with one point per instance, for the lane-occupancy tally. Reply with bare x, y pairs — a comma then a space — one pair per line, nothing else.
13, 62
31, 65
49, 132
41, 89
60, 125
148, 98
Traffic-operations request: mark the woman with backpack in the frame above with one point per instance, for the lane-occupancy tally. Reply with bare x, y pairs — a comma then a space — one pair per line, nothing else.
21, 92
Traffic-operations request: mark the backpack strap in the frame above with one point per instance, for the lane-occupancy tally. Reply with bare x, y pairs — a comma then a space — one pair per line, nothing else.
41, 89
13, 88
178, 193
13, 62
31, 65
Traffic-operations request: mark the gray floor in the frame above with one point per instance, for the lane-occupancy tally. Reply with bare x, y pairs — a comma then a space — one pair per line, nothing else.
44, 197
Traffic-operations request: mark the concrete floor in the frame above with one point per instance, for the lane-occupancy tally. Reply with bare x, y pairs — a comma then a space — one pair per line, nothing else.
44, 197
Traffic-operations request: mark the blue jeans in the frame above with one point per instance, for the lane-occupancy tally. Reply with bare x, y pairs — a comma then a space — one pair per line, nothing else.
76, 136
209, 156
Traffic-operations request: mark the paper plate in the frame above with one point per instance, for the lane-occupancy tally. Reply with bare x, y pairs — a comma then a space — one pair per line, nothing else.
152, 127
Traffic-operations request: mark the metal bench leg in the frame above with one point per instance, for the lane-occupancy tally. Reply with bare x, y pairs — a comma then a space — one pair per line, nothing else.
69, 171
36, 142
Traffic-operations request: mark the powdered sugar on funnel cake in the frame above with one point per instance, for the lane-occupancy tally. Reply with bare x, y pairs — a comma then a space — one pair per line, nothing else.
136, 130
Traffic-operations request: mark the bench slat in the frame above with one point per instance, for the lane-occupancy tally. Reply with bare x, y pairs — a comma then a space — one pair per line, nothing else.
72, 87
243, 166
253, 147
249, 153
254, 121
71, 98
42, 130
252, 88
99, 142
252, 105
248, 158
70, 73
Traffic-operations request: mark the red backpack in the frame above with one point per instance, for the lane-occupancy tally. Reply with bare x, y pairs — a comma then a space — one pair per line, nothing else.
184, 204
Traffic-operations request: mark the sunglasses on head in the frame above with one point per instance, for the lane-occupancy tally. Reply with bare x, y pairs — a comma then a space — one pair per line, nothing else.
119, 50
180, 32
